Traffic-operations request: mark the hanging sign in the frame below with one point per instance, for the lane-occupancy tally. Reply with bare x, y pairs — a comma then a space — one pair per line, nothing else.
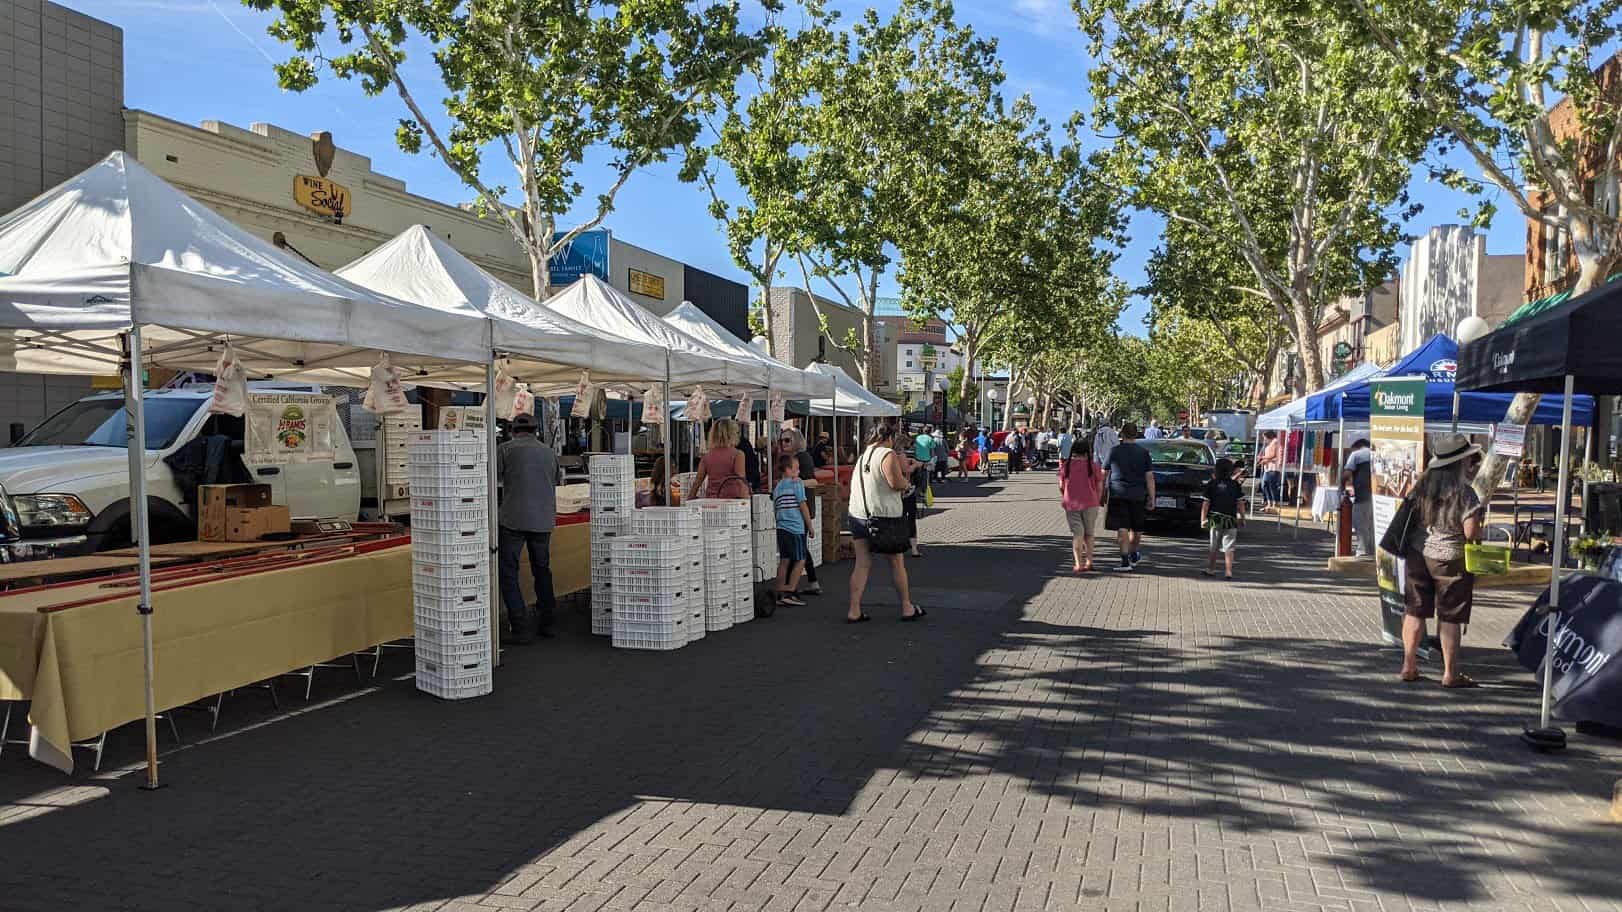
1397, 437
746, 406
774, 407
283, 428
646, 283
653, 405
322, 196
583, 394
461, 418
698, 406
1509, 440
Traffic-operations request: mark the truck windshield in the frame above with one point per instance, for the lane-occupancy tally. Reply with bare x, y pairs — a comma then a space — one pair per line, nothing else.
101, 422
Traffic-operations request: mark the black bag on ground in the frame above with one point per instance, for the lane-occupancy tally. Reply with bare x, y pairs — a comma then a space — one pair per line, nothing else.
1400, 534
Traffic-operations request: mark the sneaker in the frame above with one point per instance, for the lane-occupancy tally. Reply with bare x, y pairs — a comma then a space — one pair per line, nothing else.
1137, 558
1125, 566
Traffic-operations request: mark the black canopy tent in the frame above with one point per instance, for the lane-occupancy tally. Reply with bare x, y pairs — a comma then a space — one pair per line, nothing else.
1572, 348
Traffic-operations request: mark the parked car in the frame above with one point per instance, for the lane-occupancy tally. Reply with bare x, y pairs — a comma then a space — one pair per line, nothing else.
64, 488
1181, 468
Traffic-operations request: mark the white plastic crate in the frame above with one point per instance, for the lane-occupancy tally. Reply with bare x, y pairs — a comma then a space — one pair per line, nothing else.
448, 547
440, 447
447, 513
466, 481
675, 522
658, 635
683, 484
442, 634
453, 681
696, 622
610, 464
743, 609
667, 607
603, 626
454, 652
646, 581
718, 618
433, 614
457, 577
619, 508
648, 551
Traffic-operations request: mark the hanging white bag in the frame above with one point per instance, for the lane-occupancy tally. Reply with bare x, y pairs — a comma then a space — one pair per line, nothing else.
774, 407
698, 406
506, 394
584, 393
746, 407
230, 385
523, 400
385, 395
653, 405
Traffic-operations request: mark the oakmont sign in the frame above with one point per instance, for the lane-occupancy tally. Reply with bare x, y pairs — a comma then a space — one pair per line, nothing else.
1389, 401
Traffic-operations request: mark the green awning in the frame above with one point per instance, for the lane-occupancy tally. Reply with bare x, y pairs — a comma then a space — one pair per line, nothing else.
1533, 308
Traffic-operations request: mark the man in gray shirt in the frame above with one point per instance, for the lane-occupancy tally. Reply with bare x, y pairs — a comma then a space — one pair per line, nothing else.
530, 475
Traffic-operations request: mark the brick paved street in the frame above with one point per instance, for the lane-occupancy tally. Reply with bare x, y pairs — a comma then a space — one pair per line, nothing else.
1152, 741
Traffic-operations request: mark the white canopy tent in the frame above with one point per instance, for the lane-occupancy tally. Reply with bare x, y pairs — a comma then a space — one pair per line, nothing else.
546, 348
114, 270
1293, 414
790, 381
852, 401
692, 362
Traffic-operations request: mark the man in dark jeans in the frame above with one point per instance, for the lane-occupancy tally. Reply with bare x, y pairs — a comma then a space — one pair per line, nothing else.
530, 474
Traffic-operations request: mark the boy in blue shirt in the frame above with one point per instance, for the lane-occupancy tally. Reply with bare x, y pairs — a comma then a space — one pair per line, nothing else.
788, 498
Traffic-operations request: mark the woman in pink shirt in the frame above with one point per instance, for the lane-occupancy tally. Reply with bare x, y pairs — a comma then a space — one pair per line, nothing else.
1081, 487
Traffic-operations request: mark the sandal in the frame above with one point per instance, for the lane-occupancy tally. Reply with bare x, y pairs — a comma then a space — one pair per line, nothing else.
1461, 682
918, 613
787, 598
858, 620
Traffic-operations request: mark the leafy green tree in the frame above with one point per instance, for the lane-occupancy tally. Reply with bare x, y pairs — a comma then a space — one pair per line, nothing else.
544, 81
1491, 71
760, 141
891, 99
1272, 128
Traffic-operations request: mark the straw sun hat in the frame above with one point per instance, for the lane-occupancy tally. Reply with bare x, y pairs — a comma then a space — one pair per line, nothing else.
1447, 449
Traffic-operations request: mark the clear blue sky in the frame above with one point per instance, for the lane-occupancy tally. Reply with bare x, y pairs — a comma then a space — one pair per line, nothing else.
195, 60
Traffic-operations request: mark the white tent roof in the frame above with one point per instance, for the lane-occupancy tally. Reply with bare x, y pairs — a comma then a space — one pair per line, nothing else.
854, 400
116, 246
789, 381
597, 304
1293, 414
422, 267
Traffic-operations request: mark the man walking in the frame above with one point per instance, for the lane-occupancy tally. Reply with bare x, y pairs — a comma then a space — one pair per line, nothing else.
1154, 432
1357, 479
530, 474
1131, 495
1104, 441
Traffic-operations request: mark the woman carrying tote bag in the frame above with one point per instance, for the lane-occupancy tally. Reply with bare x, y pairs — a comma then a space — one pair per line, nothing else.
875, 520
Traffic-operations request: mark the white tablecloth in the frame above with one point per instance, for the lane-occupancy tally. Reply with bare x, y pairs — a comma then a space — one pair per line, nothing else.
1325, 500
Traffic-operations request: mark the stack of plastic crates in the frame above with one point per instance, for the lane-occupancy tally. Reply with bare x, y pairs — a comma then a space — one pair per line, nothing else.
813, 532
613, 500
450, 552
765, 538
686, 525
743, 575
718, 585
651, 602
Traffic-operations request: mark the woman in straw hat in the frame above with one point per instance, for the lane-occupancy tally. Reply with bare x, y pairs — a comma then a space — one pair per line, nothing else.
1437, 584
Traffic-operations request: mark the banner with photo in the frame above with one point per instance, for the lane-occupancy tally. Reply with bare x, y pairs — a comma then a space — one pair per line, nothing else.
285, 428
1397, 437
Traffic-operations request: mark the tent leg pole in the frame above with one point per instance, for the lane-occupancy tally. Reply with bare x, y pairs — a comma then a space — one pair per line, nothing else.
670, 448
135, 409
1455, 427
490, 499
1559, 555
1300, 482
1588, 455
1340, 466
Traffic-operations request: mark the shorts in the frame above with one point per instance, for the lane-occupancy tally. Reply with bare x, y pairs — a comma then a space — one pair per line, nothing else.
857, 528
1124, 513
790, 545
1224, 540
1440, 589
1083, 521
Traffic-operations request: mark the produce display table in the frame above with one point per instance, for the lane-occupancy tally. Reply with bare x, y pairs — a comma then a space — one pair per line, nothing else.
75, 649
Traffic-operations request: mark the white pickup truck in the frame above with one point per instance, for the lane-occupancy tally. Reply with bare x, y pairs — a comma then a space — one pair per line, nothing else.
64, 488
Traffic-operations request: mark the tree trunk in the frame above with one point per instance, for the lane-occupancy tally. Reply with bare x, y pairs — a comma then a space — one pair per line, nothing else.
540, 273
969, 352
1306, 342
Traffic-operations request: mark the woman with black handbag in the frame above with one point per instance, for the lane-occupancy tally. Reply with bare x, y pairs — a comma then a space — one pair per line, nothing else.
876, 521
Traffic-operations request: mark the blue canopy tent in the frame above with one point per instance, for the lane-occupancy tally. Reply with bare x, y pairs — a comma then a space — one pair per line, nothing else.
1437, 360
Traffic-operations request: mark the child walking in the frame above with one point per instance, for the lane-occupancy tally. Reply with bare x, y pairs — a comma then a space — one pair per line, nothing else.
1221, 513
792, 515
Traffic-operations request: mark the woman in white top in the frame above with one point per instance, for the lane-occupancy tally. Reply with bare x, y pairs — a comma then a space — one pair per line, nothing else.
881, 475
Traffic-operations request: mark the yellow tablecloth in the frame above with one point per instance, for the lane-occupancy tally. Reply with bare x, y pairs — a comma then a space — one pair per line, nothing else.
82, 666
571, 562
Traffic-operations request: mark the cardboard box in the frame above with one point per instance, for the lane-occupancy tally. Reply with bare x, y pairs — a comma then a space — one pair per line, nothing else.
254, 523
214, 500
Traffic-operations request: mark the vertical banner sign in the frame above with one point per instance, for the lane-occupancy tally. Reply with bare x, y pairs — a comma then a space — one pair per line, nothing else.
1397, 436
